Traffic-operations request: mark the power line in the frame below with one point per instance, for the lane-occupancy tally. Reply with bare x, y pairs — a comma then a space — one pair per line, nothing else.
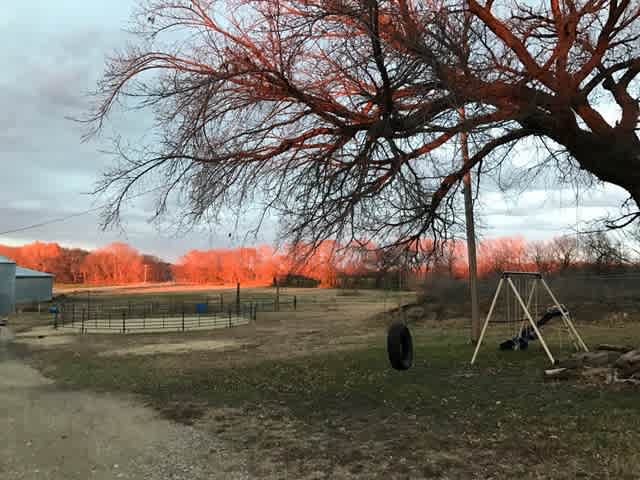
73, 215
49, 222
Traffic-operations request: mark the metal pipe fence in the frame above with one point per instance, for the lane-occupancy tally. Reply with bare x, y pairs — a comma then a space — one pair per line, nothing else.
153, 316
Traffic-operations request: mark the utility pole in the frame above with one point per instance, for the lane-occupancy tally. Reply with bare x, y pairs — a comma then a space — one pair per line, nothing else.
471, 238
468, 206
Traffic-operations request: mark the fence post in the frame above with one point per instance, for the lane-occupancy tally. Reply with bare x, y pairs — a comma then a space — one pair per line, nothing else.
109, 317
295, 302
73, 313
238, 299
183, 316
124, 322
229, 317
82, 326
277, 305
221, 303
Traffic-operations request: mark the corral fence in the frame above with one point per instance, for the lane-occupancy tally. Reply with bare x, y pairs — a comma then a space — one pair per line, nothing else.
89, 315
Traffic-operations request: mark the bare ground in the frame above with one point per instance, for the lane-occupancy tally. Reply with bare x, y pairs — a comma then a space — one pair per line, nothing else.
56, 433
53, 434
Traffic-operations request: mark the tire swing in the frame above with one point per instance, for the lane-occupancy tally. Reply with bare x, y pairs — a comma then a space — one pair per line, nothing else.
400, 346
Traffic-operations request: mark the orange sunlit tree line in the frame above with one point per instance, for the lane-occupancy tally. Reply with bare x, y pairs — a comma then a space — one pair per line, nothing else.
119, 263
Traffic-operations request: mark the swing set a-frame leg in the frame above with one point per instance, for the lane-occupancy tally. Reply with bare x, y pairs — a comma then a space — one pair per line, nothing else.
569, 324
486, 322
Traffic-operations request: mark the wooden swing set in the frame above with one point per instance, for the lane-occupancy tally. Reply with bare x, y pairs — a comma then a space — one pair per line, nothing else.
528, 284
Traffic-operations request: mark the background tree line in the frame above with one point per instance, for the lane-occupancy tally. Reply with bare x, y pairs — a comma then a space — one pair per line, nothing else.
329, 265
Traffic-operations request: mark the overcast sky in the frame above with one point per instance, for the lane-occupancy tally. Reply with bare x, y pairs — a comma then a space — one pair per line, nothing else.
52, 55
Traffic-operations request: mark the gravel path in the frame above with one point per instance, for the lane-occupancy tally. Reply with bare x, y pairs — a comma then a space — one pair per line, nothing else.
63, 435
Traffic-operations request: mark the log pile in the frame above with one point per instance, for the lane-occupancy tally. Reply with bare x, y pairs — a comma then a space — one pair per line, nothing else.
608, 364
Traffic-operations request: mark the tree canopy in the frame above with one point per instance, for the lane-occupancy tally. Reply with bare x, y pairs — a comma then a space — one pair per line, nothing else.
342, 116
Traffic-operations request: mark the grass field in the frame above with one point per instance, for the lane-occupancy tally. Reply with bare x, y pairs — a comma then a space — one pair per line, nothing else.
309, 394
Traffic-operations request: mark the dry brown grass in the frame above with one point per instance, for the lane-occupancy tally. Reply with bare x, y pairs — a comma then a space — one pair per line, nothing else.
311, 393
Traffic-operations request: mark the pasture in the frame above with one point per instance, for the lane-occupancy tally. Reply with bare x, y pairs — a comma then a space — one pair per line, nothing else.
308, 394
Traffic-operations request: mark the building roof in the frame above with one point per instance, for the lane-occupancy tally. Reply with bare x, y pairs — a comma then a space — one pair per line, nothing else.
22, 272
6, 260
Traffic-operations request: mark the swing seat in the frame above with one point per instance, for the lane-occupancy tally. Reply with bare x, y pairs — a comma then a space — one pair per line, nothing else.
514, 344
521, 342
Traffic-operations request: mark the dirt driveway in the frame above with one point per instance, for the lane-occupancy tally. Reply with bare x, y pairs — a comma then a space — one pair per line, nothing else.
63, 435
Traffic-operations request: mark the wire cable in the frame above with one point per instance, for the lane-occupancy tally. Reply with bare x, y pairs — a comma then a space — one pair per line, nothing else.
73, 215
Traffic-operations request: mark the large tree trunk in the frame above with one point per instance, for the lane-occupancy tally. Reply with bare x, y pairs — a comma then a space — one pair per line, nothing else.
612, 155
614, 159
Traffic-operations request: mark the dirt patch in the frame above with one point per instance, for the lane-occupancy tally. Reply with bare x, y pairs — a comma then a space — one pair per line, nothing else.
64, 435
46, 341
43, 331
44, 336
183, 347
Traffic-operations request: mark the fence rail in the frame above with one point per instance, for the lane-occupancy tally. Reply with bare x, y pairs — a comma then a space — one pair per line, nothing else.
154, 324
152, 316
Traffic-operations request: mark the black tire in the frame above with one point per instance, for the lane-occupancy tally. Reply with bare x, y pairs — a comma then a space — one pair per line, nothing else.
400, 346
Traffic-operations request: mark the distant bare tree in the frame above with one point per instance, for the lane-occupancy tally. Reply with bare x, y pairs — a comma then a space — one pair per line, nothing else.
601, 250
633, 235
541, 254
565, 251
342, 115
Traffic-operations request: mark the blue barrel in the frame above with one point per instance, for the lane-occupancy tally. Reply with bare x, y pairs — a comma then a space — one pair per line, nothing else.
201, 308
53, 309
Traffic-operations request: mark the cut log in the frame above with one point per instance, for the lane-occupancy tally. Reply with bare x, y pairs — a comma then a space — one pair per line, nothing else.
629, 370
573, 362
598, 374
600, 359
633, 381
559, 374
590, 372
615, 348
627, 359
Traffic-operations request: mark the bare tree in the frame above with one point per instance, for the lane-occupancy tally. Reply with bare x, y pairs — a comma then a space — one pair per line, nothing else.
340, 115
564, 251
633, 242
541, 254
602, 251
